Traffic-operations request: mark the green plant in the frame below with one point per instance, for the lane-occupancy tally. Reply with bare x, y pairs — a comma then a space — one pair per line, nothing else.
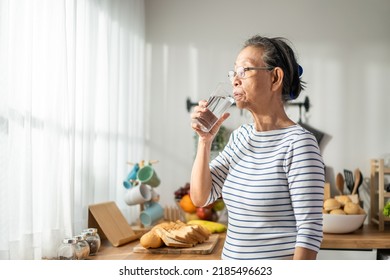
386, 210
219, 141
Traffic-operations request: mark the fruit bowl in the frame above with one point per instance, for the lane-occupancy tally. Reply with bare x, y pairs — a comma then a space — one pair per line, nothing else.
342, 223
188, 211
209, 213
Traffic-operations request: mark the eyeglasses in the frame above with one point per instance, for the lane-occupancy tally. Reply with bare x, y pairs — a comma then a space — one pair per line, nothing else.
240, 72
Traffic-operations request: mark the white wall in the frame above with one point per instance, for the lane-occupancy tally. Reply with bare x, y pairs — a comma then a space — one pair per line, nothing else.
343, 46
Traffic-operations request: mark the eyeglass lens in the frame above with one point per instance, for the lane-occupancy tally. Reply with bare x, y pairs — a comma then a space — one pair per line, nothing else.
240, 73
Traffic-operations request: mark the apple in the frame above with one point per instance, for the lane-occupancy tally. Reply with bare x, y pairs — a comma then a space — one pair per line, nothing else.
204, 213
219, 205
190, 217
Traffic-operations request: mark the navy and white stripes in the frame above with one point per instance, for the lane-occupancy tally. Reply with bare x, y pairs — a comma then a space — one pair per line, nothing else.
272, 184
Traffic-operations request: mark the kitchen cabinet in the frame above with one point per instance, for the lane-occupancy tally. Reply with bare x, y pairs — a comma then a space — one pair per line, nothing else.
378, 193
362, 244
347, 254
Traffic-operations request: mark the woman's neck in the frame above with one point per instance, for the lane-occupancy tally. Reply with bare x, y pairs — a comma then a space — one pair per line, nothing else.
271, 120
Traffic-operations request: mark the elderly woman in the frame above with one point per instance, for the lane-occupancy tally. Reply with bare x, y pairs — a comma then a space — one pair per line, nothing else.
271, 173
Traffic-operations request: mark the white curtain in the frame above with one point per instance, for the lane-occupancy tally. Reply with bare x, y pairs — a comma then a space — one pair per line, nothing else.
71, 97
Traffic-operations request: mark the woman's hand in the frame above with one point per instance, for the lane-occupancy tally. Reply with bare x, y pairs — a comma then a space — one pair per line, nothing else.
197, 113
201, 181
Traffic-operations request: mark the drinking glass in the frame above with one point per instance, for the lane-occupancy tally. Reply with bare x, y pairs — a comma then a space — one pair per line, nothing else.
217, 104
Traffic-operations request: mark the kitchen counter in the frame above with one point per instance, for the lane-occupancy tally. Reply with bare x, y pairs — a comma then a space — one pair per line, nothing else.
125, 252
366, 238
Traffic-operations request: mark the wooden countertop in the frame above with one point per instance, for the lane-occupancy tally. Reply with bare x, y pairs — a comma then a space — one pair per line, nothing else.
125, 252
367, 237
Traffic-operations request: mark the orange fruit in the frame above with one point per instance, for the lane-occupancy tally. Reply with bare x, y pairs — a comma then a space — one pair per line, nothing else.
186, 204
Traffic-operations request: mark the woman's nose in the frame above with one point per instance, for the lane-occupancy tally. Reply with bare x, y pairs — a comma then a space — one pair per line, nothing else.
236, 81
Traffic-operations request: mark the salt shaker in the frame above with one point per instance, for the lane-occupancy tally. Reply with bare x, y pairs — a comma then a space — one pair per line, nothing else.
82, 247
92, 237
67, 250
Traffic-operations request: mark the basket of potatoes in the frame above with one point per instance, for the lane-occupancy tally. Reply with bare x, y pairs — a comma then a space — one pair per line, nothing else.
342, 215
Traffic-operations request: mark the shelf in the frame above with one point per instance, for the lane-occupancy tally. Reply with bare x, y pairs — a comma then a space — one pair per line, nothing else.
377, 165
385, 194
375, 220
378, 194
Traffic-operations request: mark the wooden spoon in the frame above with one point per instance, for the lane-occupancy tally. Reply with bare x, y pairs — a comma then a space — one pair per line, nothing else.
358, 180
340, 183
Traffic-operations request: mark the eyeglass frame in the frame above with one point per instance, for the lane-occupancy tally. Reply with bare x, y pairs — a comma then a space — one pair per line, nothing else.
232, 74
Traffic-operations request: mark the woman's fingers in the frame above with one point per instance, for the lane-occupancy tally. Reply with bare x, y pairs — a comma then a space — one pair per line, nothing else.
197, 112
199, 109
218, 124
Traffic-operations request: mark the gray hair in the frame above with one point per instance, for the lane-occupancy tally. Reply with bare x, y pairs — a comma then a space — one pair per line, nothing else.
278, 53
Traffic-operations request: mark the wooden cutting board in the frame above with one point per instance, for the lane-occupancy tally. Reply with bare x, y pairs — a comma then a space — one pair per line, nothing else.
203, 249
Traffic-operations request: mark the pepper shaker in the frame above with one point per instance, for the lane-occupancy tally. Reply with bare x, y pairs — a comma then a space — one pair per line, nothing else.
92, 237
67, 250
82, 247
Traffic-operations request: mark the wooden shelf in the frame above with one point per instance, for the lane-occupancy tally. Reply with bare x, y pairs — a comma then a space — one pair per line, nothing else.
378, 166
377, 192
385, 194
376, 221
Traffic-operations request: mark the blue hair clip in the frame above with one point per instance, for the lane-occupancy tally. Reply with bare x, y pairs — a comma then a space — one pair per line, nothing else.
300, 70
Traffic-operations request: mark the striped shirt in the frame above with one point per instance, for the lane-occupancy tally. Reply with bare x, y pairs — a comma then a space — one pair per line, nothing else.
272, 184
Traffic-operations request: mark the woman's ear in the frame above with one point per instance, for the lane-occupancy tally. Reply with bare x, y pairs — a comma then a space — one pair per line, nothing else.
277, 78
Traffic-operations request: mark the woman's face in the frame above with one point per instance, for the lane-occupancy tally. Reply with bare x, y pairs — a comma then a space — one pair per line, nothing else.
252, 91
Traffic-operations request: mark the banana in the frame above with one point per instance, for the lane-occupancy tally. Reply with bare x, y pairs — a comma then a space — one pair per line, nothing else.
213, 227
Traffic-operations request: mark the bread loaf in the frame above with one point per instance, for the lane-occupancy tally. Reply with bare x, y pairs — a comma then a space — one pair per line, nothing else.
343, 199
151, 240
352, 208
331, 203
337, 212
342, 204
170, 240
174, 234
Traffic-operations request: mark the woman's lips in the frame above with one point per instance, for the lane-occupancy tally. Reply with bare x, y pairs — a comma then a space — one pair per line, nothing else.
238, 96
